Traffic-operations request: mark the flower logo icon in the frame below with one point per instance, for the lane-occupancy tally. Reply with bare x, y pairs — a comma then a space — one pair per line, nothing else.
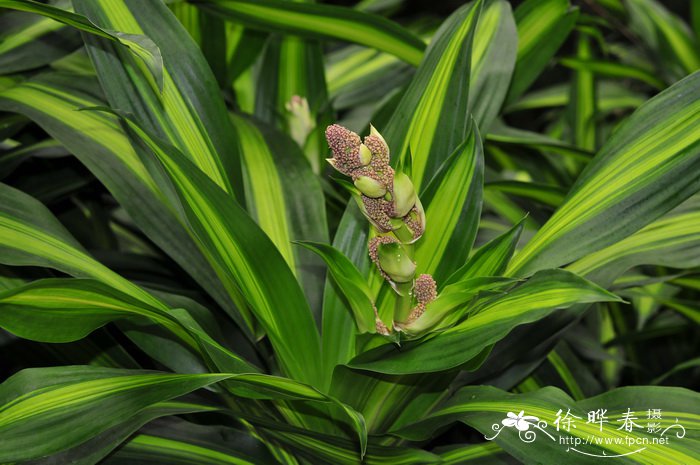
520, 421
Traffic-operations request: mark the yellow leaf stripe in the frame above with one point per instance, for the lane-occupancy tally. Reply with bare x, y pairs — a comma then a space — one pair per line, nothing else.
103, 129
265, 196
423, 127
659, 138
668, 232
324, 20
172, 109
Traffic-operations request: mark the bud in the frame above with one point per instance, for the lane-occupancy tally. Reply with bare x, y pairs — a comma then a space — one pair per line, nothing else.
345, 146
374, 133
365, 154
300, 119
404, 195
396, 263
370, 186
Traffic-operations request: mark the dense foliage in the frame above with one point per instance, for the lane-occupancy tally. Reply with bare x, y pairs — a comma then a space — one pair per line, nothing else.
209, 255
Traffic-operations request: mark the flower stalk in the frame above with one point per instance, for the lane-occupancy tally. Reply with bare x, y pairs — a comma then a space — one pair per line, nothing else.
397, 220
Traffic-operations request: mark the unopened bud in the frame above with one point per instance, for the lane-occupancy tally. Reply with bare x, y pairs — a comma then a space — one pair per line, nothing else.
373, 132
396, 263
365, 154
404, 195
370, 187
300, 119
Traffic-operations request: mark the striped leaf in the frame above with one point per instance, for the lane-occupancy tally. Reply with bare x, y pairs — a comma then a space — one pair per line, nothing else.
188, 111
101, 445
352, 285
181, 442
65, 394
65, 310
210, 34
493, 61
48, 410
331, 450
484, 407
610, 94
31, 236
539, 296
541, 193
642, 167
614, 70
474, 453
285, 198
582, 107
322, 21
51, 101
452, 208
491, 259
25, 39
543, 26
432, 118
138, 44
507, 135
357, 75
338, 334
667, 36
673, 241
243, 257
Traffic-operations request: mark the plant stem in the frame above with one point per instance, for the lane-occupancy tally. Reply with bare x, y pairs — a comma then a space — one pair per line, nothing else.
404, 301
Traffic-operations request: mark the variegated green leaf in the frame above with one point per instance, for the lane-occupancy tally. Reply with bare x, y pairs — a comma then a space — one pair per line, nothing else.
352, 285
536, 298
138, 44
285, 198
543, 26
48, 410
325, 21
485, 407
452, 203
642, 167
51, 102
100, 446
182, 442
65, 310
29, 41
666, 35
493, 61
432, 118
31, 235
491, 259
242, 256
673, 240
188, 111
611, 95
